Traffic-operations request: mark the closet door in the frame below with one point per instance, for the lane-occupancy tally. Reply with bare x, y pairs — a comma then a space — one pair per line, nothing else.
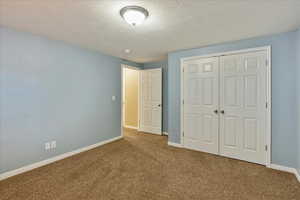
201, 100
242, 106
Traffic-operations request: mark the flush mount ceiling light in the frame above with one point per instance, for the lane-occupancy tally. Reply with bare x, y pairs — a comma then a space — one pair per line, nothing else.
134, 15
127, 51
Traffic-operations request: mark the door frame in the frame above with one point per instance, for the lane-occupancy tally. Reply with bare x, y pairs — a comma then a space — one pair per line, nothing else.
123, 67
268, 100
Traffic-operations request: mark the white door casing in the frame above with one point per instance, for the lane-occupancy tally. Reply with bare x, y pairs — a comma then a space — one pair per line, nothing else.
201, 104
151, 101
243, 104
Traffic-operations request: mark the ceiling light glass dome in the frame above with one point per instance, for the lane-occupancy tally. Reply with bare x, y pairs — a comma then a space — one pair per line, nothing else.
134, 15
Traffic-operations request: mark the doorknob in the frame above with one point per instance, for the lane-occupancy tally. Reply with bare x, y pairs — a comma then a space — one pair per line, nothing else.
216, 111
159, 105
222, 111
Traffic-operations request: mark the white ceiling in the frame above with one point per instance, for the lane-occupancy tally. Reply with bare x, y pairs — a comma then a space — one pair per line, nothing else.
172, 24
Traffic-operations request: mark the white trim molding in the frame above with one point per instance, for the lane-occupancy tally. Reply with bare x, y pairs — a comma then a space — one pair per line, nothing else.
175, 144
298, 175
165, 133
286, 169
271, 166
54, 159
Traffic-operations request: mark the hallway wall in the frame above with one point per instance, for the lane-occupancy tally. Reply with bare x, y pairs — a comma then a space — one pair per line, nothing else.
131, 97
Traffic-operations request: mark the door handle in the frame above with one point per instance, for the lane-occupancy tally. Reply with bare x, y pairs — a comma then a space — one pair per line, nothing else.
159, 105
216, 111
223, 112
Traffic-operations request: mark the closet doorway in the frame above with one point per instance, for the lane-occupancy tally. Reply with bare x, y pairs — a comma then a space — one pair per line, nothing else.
226, 104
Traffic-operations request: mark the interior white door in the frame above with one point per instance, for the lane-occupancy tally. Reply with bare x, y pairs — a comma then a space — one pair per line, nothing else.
151, 101
243, 105
201, 104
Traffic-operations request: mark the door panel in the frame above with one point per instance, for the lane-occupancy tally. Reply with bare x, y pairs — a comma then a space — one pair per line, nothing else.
243, 97
231, 91
251, 92
147, 116
250, 134
230, 132
200, 100
207, 91
151, 101
207, 128
146, 109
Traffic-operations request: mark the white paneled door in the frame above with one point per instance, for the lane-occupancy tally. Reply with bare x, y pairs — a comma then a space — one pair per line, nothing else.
151, 101
201, 104
225, 105
243, 106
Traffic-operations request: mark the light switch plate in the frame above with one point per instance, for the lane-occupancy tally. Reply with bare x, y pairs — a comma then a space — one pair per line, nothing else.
113, 98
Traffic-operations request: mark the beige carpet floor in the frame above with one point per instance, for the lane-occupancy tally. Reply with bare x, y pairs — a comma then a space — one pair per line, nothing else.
142, 166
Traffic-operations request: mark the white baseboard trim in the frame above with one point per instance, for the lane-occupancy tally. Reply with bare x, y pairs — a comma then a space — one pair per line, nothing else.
286, 169
165, 133
175, 144
282, 168
54, 159
130, 127
272, 166
298, 174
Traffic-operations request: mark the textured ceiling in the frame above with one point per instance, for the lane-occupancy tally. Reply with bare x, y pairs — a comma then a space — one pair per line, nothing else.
172, 24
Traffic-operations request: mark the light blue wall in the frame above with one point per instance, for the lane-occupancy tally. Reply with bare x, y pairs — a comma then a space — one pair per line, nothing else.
284, 114
50, 90
164, 65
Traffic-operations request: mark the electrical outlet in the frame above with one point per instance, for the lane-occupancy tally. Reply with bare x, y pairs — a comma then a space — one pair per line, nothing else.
53, 144
47, 146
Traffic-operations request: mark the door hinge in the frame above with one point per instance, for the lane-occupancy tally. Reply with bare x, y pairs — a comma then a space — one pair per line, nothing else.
266, 147
266, 104
183, 69
183, 134
183, 102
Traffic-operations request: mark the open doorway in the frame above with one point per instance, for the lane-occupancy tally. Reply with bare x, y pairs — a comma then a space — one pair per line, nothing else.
130, 97
141, 100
